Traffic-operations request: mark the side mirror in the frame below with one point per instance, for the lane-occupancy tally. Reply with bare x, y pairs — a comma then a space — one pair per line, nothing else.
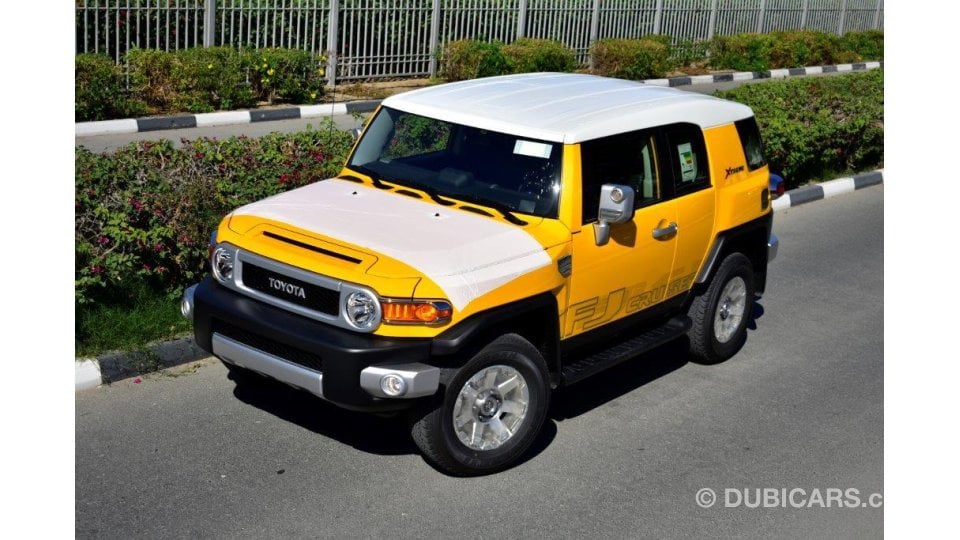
616, 206
356, 132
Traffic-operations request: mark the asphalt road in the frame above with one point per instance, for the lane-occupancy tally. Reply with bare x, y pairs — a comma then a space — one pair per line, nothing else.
109, 143
191, 454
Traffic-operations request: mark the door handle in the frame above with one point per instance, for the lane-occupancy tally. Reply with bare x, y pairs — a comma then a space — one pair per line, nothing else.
665, 232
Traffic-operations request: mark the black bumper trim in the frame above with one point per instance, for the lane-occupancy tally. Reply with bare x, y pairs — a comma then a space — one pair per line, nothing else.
344, 353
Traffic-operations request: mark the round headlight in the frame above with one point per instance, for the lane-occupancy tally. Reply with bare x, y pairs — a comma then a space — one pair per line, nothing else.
222, 264
362, 310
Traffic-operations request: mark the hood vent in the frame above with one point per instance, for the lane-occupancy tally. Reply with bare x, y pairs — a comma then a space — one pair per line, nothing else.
315, 249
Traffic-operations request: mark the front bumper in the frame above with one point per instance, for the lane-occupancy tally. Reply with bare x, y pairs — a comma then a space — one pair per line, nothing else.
338, 365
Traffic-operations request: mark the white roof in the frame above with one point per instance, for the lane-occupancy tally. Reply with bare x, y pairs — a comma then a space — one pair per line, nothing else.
565, 107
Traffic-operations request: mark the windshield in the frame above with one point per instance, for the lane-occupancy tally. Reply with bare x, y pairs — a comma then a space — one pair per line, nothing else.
506, 172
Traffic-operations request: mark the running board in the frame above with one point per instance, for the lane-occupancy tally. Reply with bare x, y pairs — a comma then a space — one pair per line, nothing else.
626, 349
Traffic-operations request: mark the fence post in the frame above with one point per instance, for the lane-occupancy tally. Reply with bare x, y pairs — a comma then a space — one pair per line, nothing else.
594, 28
522, 19
333, 25
434, 37
763, 10
876, 15
209, 22
803, 15
658, 17
713, 20
843, 15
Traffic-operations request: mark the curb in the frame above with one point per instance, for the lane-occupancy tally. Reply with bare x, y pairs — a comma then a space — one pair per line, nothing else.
112, 367
825, 190
116, 366
224, 118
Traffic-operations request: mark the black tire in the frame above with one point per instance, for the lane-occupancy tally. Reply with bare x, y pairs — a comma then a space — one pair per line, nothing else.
433, 428
705, 345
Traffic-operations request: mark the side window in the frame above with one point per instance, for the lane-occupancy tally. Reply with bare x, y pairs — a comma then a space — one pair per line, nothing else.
629, 159
688, 158
752, 144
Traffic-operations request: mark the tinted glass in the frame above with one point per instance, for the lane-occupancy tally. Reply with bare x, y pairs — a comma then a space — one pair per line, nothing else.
688, 159
462, 162
628, 159
752, 144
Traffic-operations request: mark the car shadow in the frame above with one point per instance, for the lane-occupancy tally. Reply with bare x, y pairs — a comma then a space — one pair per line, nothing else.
389, 435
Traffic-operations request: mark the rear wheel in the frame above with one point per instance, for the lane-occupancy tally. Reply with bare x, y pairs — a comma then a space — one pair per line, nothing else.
720, 315
491, 411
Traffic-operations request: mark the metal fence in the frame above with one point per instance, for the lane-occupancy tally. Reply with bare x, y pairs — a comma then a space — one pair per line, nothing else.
371, 39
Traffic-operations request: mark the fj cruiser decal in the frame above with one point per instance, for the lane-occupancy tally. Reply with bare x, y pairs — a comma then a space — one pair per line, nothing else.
596, 312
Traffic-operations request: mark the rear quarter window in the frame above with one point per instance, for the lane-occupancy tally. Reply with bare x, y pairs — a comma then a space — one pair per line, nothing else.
751, 142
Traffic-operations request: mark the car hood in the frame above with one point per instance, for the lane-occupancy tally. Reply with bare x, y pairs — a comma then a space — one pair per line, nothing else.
465, 254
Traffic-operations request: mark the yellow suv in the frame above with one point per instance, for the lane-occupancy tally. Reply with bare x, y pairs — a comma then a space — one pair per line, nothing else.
489, 241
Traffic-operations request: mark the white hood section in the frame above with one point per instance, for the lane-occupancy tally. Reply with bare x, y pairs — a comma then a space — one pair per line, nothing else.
466, 255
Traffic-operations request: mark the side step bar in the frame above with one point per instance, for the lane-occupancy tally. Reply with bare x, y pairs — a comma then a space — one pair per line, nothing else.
621, 351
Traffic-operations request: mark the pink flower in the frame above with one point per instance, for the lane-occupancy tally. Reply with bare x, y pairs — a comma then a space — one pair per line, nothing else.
96, 269
102, 240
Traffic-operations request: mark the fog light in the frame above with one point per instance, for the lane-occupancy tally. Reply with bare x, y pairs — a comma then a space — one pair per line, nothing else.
393, 385
186, 304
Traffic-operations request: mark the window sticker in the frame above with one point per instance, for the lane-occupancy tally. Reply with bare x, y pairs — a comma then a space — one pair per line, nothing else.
532, 149
688, 162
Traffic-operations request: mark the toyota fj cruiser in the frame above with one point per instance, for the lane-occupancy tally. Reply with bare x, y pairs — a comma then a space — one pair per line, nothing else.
489, 241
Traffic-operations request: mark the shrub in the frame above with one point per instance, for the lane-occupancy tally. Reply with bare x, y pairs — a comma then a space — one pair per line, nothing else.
795, 48
635, 59
532, 55
289, 75
816, 127
153, 79
690, 52
209, 79
470, 59
144, 214
742, 52
215, 78
100, 90
867, 45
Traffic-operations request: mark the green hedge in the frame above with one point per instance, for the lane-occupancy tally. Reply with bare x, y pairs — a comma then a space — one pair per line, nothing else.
471, 58
793, 48
635, 59
195, 80
815, 128
100, 90
144, 214
534, 55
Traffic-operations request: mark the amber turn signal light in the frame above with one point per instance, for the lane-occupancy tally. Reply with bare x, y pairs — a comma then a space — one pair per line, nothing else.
416, 311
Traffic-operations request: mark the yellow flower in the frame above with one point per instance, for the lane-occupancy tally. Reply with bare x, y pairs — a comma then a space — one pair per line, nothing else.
264, 64
313, 95
270, 71
209, 66
322, 72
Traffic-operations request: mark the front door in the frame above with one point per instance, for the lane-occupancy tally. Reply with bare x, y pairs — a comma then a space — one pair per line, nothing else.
632, 271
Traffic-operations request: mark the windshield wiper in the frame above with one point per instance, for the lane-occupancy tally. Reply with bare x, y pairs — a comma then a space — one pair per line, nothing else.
504, 210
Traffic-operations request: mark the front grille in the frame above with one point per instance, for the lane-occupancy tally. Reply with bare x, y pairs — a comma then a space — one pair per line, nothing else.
269, 346
291, 290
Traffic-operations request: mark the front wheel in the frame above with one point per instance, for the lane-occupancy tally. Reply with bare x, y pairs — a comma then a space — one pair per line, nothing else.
720, 315
491, 411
